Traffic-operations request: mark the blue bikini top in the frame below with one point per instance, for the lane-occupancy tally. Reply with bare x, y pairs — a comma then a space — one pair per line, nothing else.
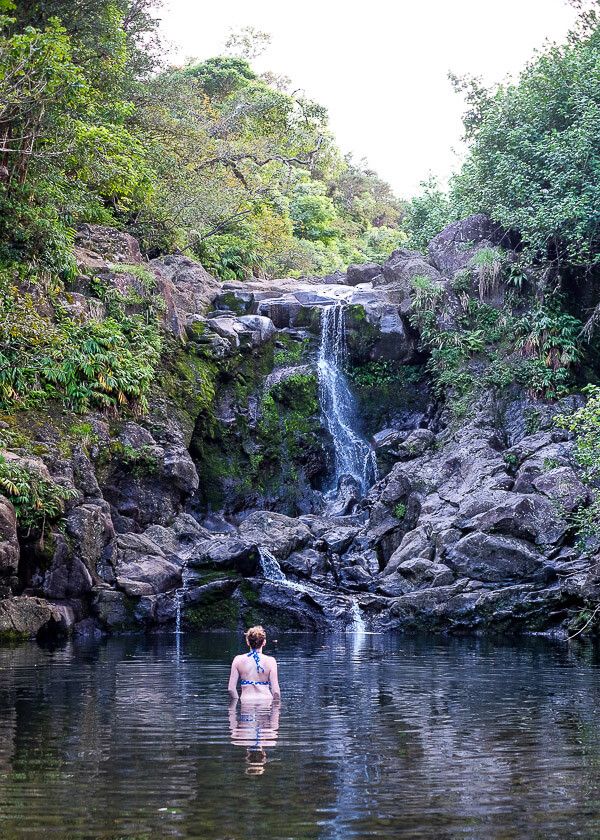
255, 655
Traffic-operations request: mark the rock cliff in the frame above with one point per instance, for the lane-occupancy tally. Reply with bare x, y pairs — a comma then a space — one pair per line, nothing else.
168, 515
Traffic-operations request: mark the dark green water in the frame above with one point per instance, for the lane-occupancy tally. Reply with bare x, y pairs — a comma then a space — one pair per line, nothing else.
380, 736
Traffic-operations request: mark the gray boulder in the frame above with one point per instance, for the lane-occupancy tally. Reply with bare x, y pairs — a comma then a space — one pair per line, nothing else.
529, 517
363, 273
416, 573
263, 327
97, 244
278, 533
24, 617
454, 248
563, 486
491, 557
347, 496
141, 567
306, 563
180, 538
115, 610
180, 469
186, 288
68, 576
231, 553
399, 271
90, 529
416, 543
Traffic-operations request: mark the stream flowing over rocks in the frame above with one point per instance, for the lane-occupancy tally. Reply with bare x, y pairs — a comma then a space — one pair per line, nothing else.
260, 487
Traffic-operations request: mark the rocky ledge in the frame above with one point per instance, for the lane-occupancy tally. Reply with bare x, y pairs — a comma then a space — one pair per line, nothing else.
210, 510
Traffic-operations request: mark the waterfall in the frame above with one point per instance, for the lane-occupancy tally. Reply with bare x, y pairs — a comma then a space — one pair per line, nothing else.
271, 570
269, 566
358, 625
353, 455
179, 595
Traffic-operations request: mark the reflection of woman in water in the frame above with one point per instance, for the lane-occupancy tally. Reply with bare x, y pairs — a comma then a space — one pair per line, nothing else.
258, 722
255, 729
256, 671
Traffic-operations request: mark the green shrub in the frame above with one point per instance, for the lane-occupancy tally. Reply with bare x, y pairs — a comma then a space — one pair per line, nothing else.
37, 501
105, 364
400, 511
488, 264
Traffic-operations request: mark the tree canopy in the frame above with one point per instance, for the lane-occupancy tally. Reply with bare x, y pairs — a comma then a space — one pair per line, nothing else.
210, 158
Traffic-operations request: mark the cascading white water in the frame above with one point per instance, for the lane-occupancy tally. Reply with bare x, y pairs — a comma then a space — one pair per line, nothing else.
269, 566
358, 625
353, 455
179, 597
271, 570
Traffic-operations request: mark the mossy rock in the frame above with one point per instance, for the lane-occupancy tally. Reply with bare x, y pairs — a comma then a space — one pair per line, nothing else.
361, 335
229, 300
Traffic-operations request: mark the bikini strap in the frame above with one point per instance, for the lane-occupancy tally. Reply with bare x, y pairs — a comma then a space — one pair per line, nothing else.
254, 654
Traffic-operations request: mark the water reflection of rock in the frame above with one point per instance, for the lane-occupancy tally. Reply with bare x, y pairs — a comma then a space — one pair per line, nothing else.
430, 736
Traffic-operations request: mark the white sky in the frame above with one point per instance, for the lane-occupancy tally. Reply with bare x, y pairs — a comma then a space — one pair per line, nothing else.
380, 67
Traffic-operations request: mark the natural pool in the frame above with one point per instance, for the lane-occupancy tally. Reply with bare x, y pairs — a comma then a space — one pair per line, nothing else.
377, 736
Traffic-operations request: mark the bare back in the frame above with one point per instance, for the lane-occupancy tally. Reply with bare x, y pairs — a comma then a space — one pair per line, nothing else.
258, 673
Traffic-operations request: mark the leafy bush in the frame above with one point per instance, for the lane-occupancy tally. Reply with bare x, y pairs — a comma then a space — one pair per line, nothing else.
37, 501
425, 293
550, 341
107, 364
488, 264
585, 424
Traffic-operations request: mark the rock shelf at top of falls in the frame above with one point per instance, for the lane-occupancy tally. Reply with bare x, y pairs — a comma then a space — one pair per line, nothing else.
467, 527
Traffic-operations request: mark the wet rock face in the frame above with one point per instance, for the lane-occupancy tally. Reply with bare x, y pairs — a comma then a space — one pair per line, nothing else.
9, 545
467, 528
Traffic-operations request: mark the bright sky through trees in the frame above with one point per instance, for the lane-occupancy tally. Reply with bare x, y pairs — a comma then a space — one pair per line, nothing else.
381, 67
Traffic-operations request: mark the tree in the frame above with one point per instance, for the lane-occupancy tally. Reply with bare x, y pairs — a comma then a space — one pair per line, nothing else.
534, 160
247, 42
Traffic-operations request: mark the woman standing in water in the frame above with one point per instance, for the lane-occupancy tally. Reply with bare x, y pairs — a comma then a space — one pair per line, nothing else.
256, 671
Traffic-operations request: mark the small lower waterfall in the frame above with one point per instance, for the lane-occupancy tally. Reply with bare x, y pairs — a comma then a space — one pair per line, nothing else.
179, 597
269, 566
271, 570
353, 455
358, 625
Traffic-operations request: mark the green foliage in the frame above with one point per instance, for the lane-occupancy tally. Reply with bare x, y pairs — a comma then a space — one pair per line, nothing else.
585, 424
142, 461
534, 161
106, 364
293, 353
426, 214
36, 500
492, 347
426, 293
400, 511
488, 265
211, 158
550, 342
380, 387
68, 152
221, 77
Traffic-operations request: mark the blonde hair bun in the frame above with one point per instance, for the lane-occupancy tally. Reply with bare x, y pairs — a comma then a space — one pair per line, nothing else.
256, 636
